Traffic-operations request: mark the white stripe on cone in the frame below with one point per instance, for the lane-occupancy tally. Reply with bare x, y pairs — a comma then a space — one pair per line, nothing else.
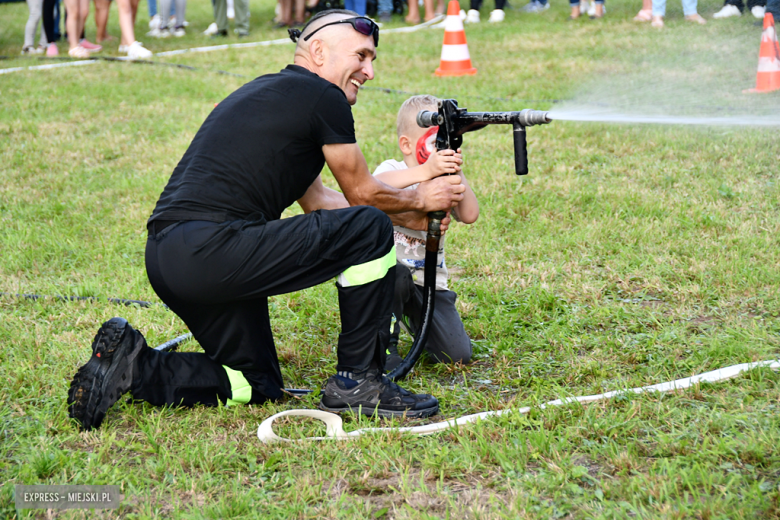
453, 23
455, 52
768, 65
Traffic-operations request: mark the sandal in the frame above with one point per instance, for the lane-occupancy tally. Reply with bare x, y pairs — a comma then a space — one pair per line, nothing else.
696, 18
658, 22
644, 15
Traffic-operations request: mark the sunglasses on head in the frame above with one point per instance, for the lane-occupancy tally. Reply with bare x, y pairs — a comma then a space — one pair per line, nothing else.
361, 24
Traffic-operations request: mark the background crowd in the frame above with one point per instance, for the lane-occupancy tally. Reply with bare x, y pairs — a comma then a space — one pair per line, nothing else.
167, 18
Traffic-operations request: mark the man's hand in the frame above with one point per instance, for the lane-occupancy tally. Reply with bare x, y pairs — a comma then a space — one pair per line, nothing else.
441, 193
417, 220
443, 162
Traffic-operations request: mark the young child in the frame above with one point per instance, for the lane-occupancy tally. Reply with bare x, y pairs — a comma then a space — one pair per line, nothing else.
447, 339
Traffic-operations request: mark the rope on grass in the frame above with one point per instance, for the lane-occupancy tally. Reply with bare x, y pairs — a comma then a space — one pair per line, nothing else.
49, 66
334, 429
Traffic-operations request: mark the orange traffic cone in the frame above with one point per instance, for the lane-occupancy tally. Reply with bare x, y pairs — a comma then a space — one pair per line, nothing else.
768, 77
455, 59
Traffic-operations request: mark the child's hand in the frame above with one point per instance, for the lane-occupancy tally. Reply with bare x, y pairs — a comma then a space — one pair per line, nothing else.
444, 162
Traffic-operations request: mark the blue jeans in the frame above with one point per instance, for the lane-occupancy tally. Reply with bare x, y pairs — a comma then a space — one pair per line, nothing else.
153, 8
359, 6
659, 7
384, 6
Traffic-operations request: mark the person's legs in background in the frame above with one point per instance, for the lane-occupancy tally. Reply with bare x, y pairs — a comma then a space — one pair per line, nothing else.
659, 11
384, 10
242, 16
102, 8
33, 20
773, 7
690, 13
646, 13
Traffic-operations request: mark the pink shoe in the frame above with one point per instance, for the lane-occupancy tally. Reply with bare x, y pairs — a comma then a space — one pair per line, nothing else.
91, 47
52, 50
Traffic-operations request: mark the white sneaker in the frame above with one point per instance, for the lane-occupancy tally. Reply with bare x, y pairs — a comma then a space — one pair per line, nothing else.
154, 33
136, 51
211, 29
758, 11
179, 32
584, 6
728, 10
462, 15
592, 9
496, 16
231, 12
472, 16
154, 23
164, 33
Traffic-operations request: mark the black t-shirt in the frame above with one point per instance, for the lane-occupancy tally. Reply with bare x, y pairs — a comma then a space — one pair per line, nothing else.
259, 150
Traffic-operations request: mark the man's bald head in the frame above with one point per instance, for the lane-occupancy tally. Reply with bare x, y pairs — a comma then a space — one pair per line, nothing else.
320, 19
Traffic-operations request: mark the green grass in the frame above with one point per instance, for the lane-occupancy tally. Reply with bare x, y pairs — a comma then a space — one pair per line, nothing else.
631, 255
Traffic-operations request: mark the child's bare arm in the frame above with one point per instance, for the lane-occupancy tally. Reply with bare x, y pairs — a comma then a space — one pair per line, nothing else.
467, 210
440, 163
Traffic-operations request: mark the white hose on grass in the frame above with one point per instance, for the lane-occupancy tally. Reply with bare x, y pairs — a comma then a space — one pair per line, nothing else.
334, 429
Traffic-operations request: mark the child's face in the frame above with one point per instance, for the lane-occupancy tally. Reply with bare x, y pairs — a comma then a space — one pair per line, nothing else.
422, 140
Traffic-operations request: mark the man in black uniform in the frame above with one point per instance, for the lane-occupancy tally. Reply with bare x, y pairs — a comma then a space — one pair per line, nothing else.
217, 247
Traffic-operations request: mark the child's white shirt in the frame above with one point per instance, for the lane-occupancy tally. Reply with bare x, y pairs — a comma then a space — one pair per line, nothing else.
410, 243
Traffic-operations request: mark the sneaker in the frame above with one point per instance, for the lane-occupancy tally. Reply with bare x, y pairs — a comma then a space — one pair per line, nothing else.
107, 375
163, 33
231, 12
592, 10
52, 50
154, 22
91, 47
727, 11
78, 52
472, 16
219, 34
536, 7
584, 6
179, 32
375, 395
758, 11
496, 16
244, 34
385, 18
136, 51
211, 29
462, 15
29, 49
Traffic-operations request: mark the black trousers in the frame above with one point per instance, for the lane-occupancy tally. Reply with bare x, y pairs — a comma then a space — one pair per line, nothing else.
750, 4
217, 277
447, 339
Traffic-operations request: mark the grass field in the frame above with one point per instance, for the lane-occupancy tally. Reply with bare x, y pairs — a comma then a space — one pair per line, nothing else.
631, 255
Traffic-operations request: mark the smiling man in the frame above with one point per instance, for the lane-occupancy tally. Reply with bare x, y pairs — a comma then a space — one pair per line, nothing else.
218, 247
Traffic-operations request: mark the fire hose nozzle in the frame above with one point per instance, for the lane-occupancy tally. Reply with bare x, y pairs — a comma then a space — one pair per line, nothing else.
530, 117
426, 119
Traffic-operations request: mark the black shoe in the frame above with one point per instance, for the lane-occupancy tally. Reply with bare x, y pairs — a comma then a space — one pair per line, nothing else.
376, 395
107, 375
219, 34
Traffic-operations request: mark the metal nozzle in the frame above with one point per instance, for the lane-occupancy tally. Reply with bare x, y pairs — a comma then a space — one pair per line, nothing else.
426, 118
530, 117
